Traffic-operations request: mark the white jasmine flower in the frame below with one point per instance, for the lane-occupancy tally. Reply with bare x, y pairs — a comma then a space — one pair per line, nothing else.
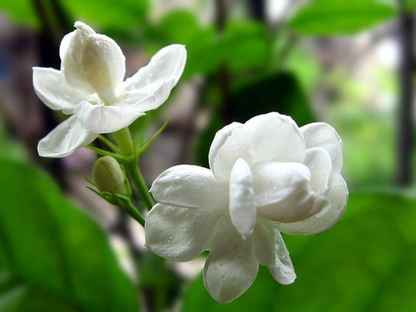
267, 175
90, 87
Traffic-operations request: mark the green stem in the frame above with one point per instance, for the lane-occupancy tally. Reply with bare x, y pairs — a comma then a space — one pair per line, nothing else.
124, 141
134, 213
140, 184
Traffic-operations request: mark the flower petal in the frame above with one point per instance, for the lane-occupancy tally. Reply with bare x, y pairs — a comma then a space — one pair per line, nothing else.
231, 266
270, 137
66, 40
320, 134
270, 250
157, 79
179, 234
275, 181
190, 187
65, 139
275, 137
219, 140
326, 218
100, 118
242, 209
298, 206
230, 144
319, 163
51, 87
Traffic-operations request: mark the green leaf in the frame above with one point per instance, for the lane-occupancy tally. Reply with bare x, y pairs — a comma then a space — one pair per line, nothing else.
51, 250
241, 46
364, 263
280, 92
340, 17
117, 15
21, 11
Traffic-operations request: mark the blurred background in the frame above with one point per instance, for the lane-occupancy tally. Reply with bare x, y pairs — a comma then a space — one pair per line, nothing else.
350, 63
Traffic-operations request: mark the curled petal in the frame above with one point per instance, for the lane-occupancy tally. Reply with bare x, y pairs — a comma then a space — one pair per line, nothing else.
219, 140
179, 234
320, 134
51, 87
298, 206
92, 62
104, 65
231, 266
65, 139
156, 79
242, 209
270, 137
319, 163
63, 48
190, 187
327, 217
100, 118
275, 137
230, 144
276, 181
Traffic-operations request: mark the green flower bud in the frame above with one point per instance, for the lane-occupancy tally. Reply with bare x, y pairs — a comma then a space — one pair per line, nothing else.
108, 175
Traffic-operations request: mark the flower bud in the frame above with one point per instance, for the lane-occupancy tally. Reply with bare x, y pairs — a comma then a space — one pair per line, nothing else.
108, 175
90, 61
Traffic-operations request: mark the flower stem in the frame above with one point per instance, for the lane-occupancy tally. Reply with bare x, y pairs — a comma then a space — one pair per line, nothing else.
140, 184
134, 213
125, 143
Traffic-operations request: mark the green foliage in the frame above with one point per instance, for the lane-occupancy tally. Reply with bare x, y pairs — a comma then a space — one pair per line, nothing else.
280, 92
116, 15
340, 17
364, 263
21, 11
52, 255
240, 45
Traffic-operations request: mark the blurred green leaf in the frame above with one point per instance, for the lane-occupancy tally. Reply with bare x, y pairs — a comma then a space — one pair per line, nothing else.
280, 92
53, 251
340, 17
115, 15
241, 46
17, 295
20, 11
364, 263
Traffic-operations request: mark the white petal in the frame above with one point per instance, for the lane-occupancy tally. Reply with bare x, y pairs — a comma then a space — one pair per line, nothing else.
319, 163
100, 118
52, 88
270, 250
219, 140
242, 209
320, 134
179, 234
270, 137
298, 206
275, 181
231, 266
92, 62
71, 53
337, 197
104, 65
191, 187
63, 48
230, 144
276, 137
157, 79
65, 139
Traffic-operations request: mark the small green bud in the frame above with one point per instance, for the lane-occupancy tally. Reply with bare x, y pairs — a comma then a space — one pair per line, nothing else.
108, 175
